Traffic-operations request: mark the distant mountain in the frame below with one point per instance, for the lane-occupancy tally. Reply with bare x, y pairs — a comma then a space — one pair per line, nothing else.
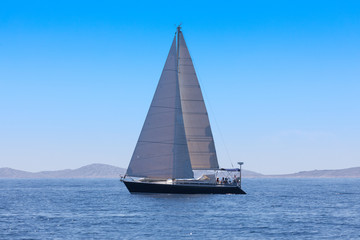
250, 174
89, 171
107, 171
340, 173
13, 173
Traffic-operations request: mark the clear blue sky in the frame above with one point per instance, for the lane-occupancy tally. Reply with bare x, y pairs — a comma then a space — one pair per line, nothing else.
281, 80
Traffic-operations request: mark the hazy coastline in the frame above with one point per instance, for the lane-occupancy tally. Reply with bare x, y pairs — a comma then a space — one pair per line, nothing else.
109, 171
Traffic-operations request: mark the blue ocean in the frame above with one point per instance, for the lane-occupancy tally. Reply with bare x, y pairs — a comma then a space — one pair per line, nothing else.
104, 209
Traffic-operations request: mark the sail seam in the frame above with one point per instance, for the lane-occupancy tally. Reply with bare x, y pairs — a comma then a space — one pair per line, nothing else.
165, 107
158, 127
163, 142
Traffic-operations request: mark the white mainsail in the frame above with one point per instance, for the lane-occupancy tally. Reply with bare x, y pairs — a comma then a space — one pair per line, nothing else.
176, 137
162, 151
197, 126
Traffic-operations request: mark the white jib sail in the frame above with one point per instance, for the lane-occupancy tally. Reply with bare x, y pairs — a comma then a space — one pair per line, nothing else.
197, 126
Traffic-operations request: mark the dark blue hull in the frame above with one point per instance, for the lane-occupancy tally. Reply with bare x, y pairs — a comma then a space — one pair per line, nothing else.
148, 187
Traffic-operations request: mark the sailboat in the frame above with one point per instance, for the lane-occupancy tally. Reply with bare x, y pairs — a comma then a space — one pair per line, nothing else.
176, 138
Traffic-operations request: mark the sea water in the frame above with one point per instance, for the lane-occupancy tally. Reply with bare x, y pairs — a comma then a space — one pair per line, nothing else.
104, 209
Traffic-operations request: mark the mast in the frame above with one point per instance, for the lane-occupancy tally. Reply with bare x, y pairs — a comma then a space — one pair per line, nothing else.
178, 114
178, 46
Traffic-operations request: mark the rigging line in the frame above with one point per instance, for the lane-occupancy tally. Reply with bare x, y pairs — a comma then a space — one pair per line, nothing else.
213, 113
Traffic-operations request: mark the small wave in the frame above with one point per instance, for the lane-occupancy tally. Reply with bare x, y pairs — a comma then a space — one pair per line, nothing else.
348, 193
